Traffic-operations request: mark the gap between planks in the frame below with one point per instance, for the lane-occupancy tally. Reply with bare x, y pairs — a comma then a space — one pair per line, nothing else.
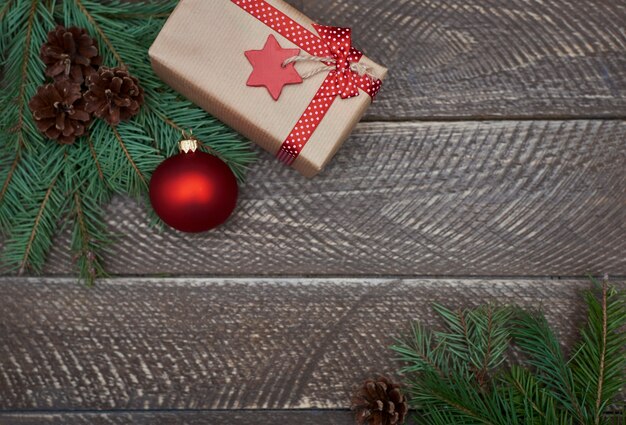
480, 118
127, 280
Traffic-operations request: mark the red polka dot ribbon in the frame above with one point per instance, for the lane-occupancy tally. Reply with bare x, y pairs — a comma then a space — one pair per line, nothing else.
342, 81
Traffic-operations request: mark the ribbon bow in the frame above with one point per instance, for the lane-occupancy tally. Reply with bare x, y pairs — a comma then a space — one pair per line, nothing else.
333, 47
343, 80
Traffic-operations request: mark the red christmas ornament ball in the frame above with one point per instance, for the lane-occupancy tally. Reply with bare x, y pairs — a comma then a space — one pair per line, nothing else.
193, 192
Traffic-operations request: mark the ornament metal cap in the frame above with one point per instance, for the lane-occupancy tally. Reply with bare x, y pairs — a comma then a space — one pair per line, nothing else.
188, 145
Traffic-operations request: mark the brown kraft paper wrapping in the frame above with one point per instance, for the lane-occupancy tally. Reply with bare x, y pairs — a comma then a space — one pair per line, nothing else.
200, 53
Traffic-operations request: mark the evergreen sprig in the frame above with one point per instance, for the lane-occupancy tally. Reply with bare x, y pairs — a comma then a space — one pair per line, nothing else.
461, 375
42, 183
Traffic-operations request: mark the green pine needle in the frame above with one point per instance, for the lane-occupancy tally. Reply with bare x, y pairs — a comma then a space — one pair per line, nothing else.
462, 374
599, 364
42, 184
535, 338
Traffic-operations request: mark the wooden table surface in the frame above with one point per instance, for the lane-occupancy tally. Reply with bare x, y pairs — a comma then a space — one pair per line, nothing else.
491, 169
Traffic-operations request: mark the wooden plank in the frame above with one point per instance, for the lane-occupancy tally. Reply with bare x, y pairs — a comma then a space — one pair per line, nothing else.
320, 417
469, 58
141, 344
466, 198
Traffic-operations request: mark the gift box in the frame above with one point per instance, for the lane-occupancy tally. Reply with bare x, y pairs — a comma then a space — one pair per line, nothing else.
294, 87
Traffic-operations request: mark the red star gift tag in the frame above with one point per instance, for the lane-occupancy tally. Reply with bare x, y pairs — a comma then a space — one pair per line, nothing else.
269, 71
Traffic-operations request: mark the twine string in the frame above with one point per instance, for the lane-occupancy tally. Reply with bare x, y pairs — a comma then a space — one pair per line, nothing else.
357, 67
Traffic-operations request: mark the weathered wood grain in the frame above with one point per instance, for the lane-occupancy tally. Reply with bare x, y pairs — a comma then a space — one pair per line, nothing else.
469, 58
298, 417
143, 344
482, 198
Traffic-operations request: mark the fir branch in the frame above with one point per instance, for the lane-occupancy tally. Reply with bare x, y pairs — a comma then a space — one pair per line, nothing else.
80, 217
89, 193
24, 29
21, 97
456, 335
490, 340
95, 157
465, 332
126, 156
482, 372
599, 363
7, 180
3, 35
601, 369
84, 242
101, 33
474, 414
35, 187
36, 202
535, 403
528, 389
477, 338
5, 9
419, 353
544, 389
129, 157
534, 337
6, 34
461, 395
36, 224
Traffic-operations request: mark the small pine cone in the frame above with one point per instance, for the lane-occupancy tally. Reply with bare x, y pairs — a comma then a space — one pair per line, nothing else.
113, 95
59, 111
379, 402
70, 53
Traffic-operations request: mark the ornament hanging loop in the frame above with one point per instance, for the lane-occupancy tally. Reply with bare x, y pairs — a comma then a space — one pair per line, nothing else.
189, 143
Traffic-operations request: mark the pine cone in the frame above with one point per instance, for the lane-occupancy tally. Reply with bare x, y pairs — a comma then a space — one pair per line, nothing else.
113, 95
70, 53
59, 111
379, 402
